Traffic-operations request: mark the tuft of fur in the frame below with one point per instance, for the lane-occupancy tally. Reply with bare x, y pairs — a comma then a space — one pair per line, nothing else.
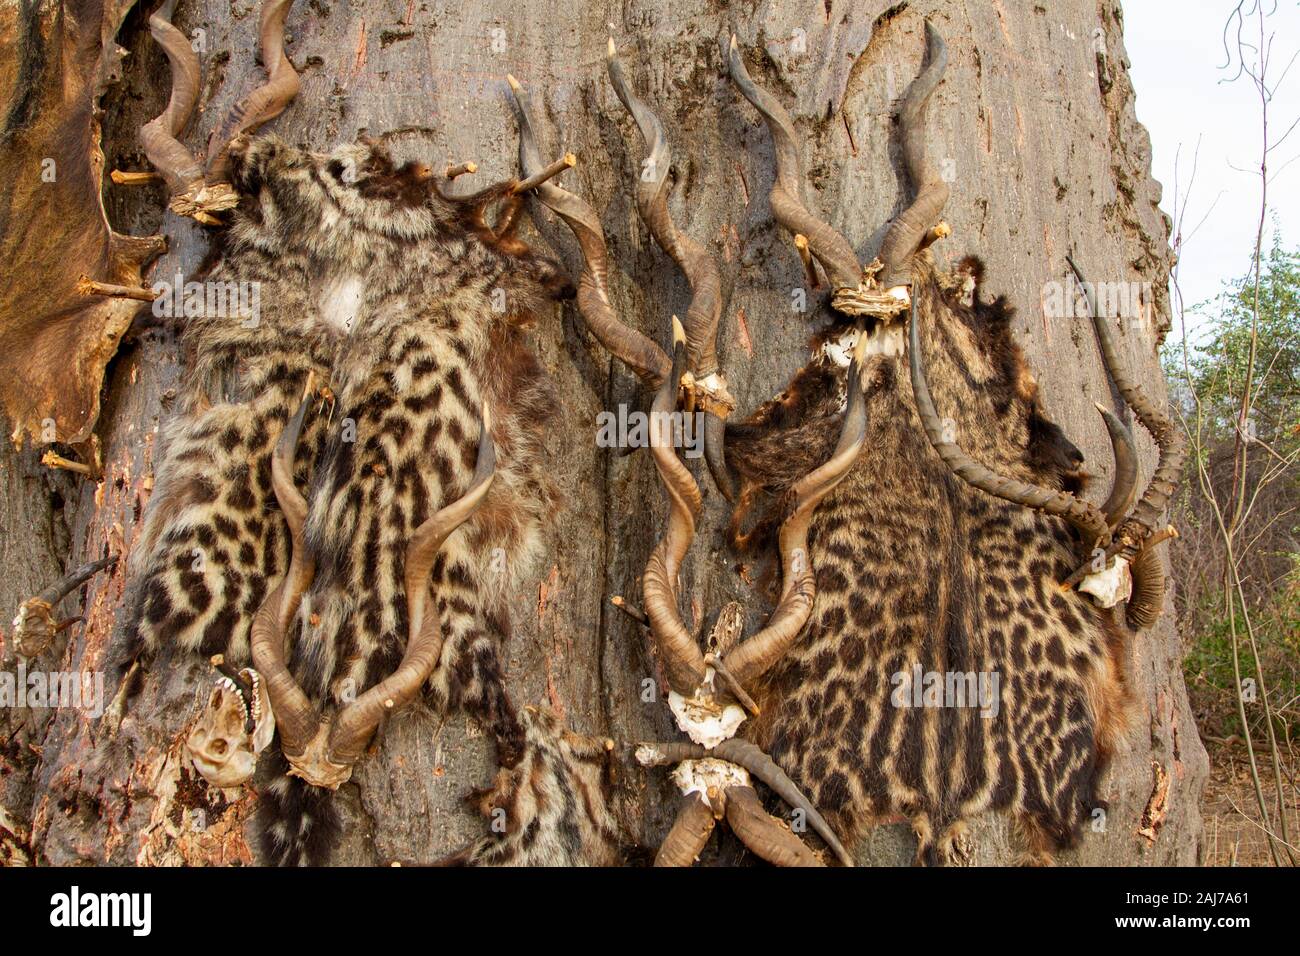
914, 567
297, 824
411, 311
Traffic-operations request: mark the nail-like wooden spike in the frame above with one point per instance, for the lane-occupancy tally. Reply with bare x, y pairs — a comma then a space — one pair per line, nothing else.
54, 460
125, 177
733, 685
88, 286
810, 270
568, 161
940, 231
460, 169
635, 613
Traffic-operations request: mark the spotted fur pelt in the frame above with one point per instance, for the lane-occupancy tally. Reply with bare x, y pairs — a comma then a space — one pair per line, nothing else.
412, 314
915, 567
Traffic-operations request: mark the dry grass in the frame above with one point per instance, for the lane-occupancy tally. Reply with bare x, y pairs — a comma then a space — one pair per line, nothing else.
1233, 836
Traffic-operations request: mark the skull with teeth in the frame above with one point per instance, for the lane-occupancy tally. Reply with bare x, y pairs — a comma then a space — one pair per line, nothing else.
236, 726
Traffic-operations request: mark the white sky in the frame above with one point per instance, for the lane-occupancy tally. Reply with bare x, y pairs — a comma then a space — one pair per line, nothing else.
1176, 48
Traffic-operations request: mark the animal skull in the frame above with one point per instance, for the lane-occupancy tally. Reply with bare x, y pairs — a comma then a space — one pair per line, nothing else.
703, 718
230, 734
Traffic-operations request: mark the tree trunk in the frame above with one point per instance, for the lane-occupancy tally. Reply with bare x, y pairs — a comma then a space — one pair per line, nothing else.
1034, 126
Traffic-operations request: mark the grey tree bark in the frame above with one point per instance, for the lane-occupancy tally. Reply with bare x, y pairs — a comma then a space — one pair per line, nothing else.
1035, 126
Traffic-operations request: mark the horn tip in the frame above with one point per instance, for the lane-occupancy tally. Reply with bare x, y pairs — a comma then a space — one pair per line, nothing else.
514, 84
487, 418
679, 332
611, 51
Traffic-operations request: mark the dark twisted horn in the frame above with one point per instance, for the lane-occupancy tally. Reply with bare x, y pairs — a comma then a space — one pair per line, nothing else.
830, 248
755, 656
700, 268
715, 455
265, 102
683, 662
909, 230
745, 754
1170, 443
652, 203
34, 626
1081, 513
1124, 486
643, 356
182, 173
60, 589
1148, 595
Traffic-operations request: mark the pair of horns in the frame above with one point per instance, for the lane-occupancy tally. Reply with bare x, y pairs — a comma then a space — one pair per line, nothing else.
200, 189
907, 233
683, 660
690, 831
323, 748
641, 354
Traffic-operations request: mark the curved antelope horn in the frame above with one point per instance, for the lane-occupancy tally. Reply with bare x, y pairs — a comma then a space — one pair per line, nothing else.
755, 656
690, 832
61, 588
296, 717
34, 625
763, 833
715, 455
644, 357
1126, 468
180, 170
745, 754
681, 656
1170, 444
262, 104
1082, 514
358, 720
910, 228
652, 203
830, 248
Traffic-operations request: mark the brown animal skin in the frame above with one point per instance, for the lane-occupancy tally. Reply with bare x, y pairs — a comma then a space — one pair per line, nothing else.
916, 567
